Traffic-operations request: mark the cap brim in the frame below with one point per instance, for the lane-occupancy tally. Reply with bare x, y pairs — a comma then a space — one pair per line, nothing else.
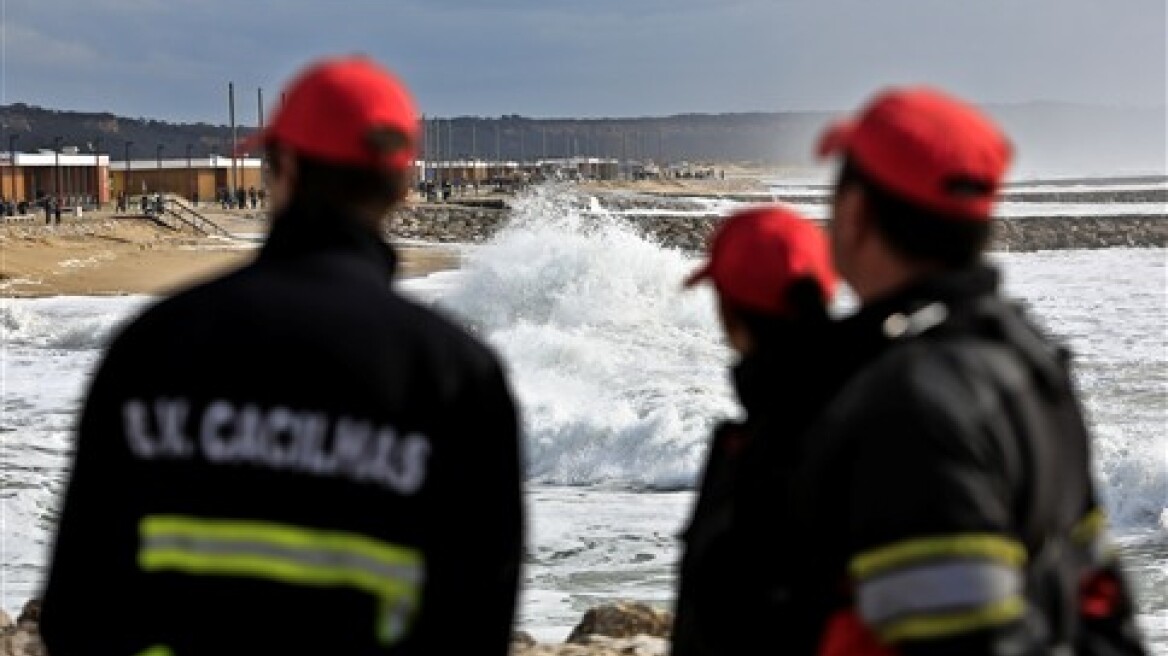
835, 139
697, 276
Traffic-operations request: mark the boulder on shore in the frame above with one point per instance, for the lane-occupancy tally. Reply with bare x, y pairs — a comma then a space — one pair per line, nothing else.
618, 629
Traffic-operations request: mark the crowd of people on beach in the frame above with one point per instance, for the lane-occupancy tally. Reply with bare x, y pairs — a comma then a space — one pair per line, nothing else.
242, 198
10, 207
334, 468
51, 205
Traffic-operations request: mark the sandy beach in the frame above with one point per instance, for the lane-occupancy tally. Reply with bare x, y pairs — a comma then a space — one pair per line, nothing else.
103, 254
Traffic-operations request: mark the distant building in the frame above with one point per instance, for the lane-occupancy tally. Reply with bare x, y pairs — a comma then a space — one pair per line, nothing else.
77, 178
474, 171
203, 176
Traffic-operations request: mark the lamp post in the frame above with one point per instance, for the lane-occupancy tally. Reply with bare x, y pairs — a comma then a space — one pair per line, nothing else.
12, 161
126, 182
190, 184
97, 171
158, 159
57, 168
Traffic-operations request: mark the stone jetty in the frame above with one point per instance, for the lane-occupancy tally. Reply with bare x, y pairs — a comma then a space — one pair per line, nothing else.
685, 223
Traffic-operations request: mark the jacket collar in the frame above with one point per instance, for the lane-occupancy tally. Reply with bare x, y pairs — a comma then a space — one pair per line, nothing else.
922, 304
302, 231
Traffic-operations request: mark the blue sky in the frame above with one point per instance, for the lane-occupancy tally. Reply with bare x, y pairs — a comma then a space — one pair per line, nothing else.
172, 59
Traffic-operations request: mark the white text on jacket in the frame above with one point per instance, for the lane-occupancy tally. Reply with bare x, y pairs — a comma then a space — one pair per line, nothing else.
279, 438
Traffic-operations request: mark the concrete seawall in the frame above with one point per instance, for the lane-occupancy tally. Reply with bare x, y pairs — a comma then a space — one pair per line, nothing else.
454, 223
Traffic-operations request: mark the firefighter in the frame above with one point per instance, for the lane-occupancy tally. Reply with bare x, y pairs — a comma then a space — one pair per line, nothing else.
944, 500
772, 275
294, 458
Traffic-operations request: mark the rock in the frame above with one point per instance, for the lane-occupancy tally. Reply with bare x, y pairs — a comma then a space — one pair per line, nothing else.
641, 645
6, 623
31, 613
622, 620
522, 639
573, 650
24, 642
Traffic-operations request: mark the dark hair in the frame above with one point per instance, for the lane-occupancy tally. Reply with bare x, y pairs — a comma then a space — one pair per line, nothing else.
324, 183
806, 301
917, 233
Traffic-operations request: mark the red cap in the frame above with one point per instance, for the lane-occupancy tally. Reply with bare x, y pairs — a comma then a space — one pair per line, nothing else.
347, 111
930, 149
756, 254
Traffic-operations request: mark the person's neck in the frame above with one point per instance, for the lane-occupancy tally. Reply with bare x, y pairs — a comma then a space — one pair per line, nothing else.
888, 275
369, 217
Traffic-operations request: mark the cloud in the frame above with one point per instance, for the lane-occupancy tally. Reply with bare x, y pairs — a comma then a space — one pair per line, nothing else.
173, 60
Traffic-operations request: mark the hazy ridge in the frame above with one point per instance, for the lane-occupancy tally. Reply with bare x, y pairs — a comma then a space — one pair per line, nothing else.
1057, 138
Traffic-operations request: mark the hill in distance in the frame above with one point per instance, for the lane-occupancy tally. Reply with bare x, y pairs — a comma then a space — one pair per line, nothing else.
1055, 138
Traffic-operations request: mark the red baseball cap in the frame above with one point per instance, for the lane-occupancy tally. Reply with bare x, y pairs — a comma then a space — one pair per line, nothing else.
347, 111
757, 253
930, 149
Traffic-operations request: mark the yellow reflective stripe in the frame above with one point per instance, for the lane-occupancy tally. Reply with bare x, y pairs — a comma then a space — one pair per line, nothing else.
1089, 527
271, 568
295, 537
289, 554
1090, 535
910, 552
946, 624
156, 650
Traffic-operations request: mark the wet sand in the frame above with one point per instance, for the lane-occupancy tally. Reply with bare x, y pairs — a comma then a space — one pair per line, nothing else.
100, 254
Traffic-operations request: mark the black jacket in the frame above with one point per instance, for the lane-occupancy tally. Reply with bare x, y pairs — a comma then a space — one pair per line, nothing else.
945, 496
292, 459
734, 568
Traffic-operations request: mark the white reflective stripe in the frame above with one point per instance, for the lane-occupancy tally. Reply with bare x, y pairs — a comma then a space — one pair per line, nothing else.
395, 621
937, 587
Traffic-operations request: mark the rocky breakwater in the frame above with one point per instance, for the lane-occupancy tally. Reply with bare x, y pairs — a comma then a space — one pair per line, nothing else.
448, 222
1023, 234
683, 224
619, 629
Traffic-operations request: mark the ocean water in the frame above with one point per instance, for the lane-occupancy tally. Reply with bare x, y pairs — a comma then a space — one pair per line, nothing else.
620, 376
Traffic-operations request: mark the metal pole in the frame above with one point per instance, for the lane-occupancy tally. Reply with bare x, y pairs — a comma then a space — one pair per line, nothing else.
97, 171
260, 114
126, 182
57, 168
190, 183
425, 149
234, 135
438, 155
624, 153
12, 161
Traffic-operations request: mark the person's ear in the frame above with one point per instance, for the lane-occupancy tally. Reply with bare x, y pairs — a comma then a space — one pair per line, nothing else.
288, 165
735, 329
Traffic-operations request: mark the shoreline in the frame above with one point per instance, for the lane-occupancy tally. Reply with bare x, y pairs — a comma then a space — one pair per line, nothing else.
107, 255
103, 254
620, 628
